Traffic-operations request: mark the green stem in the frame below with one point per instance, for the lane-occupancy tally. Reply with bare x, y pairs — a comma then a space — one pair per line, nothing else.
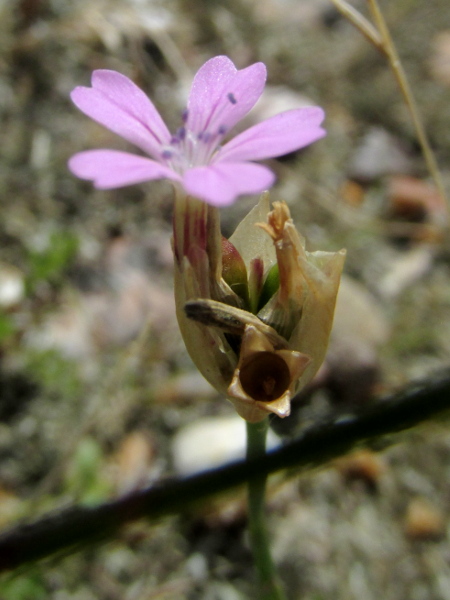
259, 538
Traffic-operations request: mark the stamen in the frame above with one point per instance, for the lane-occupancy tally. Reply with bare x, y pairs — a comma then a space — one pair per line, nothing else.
179, 136
204, 136
185, 115
181, 133
167, 154
231, 98
222, 130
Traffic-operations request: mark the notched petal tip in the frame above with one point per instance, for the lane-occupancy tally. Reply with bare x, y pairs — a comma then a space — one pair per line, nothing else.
75, 93
222, 95
100, 76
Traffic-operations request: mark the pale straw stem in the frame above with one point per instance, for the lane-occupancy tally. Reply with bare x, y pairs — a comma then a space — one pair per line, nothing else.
383, 41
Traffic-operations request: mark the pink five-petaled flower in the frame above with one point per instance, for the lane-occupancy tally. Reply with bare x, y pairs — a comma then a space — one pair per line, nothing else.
194, 156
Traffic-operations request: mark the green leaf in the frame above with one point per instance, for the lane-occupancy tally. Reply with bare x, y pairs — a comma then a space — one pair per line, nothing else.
49, 264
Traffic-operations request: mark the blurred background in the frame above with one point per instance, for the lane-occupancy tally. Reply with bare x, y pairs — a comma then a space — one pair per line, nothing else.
97, 394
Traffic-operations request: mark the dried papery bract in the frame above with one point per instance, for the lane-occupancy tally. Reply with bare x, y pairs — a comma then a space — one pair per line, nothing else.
303, 308
257, 360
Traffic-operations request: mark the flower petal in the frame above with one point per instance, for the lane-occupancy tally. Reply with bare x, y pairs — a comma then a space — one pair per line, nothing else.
220, 184
221, 95
117, 103
281, 134
113, 169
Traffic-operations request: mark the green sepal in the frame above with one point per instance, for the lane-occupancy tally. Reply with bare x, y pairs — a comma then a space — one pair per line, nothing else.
270, 286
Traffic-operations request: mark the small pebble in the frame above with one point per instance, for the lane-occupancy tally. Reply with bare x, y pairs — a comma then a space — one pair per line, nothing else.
210, 442
12, 286
362, 465
423, 521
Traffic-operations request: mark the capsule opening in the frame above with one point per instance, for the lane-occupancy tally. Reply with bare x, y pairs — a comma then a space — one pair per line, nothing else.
265, 376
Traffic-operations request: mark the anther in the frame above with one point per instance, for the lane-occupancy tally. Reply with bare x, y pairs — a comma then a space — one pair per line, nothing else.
204, 136
181, 133
231, 98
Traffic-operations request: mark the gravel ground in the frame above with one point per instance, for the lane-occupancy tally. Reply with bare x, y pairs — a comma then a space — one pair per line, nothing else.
95, 381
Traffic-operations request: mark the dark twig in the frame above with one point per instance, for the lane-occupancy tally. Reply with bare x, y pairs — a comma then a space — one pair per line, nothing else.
72, 527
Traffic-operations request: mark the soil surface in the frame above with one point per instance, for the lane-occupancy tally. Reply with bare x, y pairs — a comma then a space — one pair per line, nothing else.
95, 381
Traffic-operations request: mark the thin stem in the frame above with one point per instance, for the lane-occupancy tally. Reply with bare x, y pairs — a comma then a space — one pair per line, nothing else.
382, 40
408, 96
259, 538
360, 22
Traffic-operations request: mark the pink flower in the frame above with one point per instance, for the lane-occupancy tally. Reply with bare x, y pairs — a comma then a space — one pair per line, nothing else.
194, 156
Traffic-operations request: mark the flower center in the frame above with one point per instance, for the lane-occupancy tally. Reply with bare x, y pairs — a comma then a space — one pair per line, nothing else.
188, 149
265, 376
